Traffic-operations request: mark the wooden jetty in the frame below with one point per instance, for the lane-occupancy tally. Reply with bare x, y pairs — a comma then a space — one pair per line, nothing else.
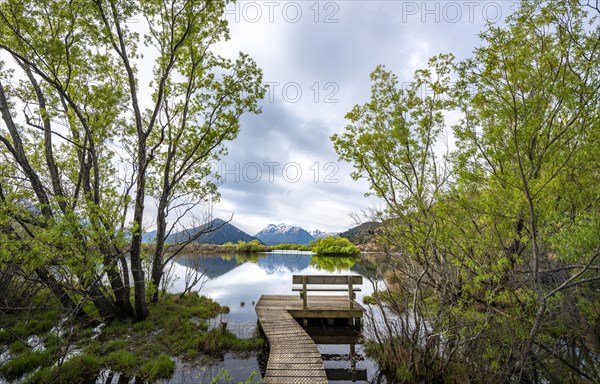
293, 356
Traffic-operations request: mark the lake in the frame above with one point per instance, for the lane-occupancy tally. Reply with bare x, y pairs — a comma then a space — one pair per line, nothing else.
238, 281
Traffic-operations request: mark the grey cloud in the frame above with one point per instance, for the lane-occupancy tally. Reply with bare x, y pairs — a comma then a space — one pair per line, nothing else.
367, 34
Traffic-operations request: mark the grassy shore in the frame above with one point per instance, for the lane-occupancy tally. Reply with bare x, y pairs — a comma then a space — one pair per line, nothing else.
240, 247
68, 353
327, 246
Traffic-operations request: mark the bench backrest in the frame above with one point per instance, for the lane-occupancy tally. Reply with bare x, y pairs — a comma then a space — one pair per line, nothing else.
327, 279
348, 280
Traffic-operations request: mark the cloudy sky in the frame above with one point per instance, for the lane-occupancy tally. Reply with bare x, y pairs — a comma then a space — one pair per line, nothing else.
316, 57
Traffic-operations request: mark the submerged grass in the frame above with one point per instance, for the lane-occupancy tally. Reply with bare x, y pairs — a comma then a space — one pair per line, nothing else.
24, 363
217, 340
177, 327
18, 326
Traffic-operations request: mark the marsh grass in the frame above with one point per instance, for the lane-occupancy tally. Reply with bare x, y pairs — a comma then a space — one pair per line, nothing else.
161, 367
23, 363
78, 369
177, 327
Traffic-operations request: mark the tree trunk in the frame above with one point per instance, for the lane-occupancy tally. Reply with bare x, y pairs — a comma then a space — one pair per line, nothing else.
157, 260
61, 294
107, 308
139, 286
120, 291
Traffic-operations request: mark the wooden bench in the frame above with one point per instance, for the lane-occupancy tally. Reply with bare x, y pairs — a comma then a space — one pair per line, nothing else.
322, 281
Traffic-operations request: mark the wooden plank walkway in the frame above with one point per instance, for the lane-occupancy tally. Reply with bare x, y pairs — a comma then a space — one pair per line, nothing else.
293, 356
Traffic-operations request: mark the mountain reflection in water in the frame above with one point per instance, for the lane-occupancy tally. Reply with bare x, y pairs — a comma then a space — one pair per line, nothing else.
238, 281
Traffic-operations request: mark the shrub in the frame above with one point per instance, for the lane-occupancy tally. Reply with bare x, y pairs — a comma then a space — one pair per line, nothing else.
334, 245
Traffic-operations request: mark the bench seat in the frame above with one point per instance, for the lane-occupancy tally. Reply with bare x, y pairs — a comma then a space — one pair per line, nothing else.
325, 289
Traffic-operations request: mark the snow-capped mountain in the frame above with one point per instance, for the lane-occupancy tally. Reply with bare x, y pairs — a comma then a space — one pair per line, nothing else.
318, 234
284, 234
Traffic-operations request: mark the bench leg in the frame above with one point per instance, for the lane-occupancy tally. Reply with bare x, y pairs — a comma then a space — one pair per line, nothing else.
358, 324
305, 322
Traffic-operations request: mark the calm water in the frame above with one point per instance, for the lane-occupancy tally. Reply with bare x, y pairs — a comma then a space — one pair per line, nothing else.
239, 281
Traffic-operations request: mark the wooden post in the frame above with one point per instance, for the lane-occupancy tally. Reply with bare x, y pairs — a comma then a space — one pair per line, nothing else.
353, 359
350, 292
304, 304
358, 324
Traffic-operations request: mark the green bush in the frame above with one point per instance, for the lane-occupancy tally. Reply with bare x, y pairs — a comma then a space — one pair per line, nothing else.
252, 246
333, 245
291, 247
245, 247
18, 347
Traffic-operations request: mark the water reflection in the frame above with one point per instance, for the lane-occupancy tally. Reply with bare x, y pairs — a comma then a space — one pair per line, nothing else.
238, 281
334, 264
239, 368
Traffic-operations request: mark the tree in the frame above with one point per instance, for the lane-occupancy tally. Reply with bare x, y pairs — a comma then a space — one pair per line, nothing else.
97, 128
198, 114
527, 146
333, 245
392, 140
495, 247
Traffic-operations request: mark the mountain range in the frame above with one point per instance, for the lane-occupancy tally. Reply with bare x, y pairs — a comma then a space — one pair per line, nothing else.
220, 232
216, 231
318, 234
284, 234
361, 234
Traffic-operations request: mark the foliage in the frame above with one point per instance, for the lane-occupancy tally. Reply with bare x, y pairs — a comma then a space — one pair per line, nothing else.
245, 246
494, 245
87, 138
333, 245
291, 247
